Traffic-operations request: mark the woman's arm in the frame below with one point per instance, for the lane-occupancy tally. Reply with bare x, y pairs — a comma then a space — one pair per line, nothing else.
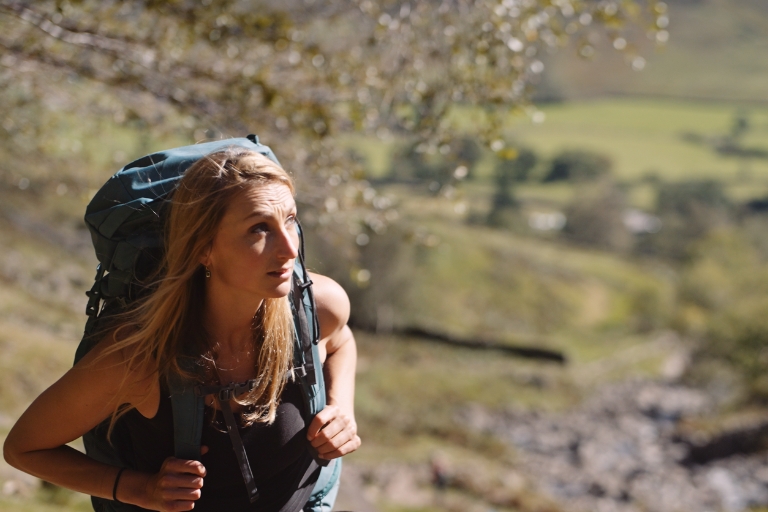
333, 432
76, 403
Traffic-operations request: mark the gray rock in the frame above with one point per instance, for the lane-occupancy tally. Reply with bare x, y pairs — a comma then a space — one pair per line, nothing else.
619, 452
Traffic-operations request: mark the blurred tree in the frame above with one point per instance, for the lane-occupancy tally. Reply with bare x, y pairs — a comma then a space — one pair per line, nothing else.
516, 163
450, 162
596, 217
409, 164
578, 165
303, 74
298, 72
512, 165
740, 125
689, 211
723, 303
468, 153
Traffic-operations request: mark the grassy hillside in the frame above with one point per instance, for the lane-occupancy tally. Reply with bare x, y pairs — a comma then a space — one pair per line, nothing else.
501, 285
605, 311
608, 312
41, 285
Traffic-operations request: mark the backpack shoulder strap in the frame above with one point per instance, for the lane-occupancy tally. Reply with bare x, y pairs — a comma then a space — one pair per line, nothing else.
188, 415
306, 336
307, 364
308, 367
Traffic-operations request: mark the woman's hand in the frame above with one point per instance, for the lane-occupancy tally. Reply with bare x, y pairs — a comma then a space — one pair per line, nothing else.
333, 433
174, 488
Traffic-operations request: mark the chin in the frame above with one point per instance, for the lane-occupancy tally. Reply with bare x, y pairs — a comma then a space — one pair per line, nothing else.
281, 291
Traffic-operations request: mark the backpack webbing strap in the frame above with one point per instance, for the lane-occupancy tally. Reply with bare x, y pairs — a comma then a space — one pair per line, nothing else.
307, 285
302, 327
308, 337
237, 446
313, 382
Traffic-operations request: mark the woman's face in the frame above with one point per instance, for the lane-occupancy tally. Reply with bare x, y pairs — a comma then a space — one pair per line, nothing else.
253, 251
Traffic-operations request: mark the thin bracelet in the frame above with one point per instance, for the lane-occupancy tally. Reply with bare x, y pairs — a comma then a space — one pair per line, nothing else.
114, 488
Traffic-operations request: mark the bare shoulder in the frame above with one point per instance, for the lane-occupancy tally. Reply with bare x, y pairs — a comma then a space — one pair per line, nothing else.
119, 377
332, 304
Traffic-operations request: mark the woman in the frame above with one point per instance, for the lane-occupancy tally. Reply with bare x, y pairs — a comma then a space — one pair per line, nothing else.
231, 242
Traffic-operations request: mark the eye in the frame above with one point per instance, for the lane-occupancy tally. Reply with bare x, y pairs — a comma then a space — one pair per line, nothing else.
261, 227
291, 220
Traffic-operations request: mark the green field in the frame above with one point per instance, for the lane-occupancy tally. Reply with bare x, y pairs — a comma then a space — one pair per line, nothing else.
645, 137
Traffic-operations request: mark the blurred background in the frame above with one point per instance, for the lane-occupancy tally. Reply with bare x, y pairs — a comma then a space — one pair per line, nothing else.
550, 215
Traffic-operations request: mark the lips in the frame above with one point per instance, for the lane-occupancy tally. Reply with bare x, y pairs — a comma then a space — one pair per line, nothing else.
283, 273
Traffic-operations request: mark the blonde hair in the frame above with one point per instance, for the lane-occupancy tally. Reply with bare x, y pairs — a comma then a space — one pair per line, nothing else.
165, 327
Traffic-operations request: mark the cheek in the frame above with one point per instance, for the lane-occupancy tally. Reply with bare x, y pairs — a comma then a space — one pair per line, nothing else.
252, 254
240, 254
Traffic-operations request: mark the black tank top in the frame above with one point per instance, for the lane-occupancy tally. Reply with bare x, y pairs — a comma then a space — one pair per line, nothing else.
282, 466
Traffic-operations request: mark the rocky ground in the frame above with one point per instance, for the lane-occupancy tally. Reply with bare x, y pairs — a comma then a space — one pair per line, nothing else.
627, 449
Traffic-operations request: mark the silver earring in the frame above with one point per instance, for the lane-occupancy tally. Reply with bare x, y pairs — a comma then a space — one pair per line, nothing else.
207, 272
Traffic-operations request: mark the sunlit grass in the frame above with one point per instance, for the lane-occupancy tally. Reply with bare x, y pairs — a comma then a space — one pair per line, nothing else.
33, 358
644, 137
48, 500
517, 287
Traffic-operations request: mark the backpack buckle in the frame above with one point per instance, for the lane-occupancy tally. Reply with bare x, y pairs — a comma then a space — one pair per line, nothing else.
94, 296
225, 395
309, 371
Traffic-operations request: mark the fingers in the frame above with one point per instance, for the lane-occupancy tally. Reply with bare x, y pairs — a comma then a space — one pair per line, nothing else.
176, 506
178, 484
333, 428
321, 420
348, 447
192, 467
177, 481
333, 434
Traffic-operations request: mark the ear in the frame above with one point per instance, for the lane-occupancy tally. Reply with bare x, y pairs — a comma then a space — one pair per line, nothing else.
205, 258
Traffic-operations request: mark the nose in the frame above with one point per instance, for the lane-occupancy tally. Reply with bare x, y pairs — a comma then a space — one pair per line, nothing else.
288, 243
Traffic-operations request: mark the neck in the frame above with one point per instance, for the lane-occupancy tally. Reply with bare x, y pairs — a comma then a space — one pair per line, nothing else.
228, 318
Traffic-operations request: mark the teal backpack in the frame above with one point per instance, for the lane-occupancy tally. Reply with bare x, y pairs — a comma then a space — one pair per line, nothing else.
125, 219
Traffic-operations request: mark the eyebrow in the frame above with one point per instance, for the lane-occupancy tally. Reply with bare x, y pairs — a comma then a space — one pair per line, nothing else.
266, 213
